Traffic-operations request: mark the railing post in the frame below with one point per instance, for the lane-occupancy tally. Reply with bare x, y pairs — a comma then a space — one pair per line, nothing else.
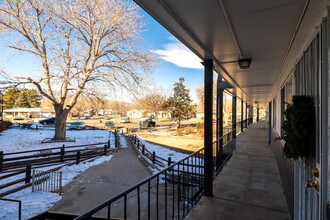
109, 143
33, 180
169, 161
28, 173
1, 160
78, 157
62, 153
105, 149
142, 149
19, 210
61, 182
153, 157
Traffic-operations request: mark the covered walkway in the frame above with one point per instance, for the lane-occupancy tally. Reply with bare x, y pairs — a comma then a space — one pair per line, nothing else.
249, 186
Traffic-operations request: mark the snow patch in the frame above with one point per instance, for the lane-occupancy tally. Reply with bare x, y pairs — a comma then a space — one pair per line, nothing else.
38, 202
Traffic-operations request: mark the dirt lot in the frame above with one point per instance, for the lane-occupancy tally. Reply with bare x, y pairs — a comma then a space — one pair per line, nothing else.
190, 143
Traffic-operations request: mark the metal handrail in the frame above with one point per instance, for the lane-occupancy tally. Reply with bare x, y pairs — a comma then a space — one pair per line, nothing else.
147, 180
19, 206
167, 171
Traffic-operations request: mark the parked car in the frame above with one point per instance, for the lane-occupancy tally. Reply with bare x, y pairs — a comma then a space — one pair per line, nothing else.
109, 124
47, 121
87, 117
78, 125
22, 121
125, 120
147, 123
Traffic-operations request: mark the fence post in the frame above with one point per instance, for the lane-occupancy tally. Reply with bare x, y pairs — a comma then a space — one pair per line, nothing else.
142, 149
153, 157
33, 179
1, 160
61, 181
105, 149
78, 157
28, 173
169, 161
62, 153
109, 143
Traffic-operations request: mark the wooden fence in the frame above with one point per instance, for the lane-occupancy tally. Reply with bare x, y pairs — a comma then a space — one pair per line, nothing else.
16, 163
47, 181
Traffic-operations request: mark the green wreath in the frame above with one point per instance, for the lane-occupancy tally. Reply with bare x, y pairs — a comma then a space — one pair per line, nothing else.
299, 128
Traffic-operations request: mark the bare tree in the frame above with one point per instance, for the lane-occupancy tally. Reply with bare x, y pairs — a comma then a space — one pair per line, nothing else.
152, 103
80, 44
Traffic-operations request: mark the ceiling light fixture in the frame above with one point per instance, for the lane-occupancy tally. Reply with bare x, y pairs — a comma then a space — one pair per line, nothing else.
243, 63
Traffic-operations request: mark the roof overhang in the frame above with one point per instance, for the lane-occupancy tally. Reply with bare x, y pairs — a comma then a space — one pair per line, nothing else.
228, 30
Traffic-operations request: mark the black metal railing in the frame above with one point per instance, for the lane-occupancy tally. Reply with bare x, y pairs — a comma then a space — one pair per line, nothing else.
238, 127
170, 193
19, 206
222, 151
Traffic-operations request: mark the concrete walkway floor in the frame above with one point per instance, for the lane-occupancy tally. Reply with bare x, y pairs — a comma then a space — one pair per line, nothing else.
102, 182
249, 186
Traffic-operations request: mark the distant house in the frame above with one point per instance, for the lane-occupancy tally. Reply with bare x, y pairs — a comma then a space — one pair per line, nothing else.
29, 113
104, 112
163, 114
135, 113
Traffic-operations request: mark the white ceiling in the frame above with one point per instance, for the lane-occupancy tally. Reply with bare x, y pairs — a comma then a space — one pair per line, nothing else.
262, 29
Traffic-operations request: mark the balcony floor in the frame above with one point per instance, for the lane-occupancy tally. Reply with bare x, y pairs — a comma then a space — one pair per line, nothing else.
249, 186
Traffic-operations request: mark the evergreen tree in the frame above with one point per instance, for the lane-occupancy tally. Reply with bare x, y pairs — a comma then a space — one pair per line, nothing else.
10, 97
180, 103
33, 97
22, 101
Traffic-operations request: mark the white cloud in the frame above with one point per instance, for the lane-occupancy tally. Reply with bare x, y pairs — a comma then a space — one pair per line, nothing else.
179, 55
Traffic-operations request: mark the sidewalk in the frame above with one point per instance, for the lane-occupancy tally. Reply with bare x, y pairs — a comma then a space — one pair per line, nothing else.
100, 183
249, 186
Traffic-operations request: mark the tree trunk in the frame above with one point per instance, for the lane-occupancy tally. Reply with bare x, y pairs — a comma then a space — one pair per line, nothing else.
60, 122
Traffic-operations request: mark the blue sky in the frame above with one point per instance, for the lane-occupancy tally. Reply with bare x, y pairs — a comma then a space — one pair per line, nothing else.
175, 59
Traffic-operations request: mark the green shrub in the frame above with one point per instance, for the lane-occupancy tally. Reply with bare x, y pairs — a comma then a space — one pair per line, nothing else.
4, 125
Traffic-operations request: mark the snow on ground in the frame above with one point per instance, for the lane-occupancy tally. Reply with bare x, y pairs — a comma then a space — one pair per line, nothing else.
16, 139
123, 142
38, 202
161, 133
165, 153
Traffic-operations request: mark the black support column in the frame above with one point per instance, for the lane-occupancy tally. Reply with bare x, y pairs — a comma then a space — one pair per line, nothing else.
246, 115
233, 113
242, 118
257, 114
270, 123
208, 126
219, 121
